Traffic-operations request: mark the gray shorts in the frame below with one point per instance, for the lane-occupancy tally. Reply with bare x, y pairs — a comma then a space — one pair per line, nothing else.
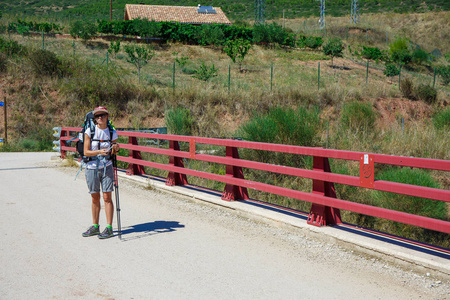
93, 182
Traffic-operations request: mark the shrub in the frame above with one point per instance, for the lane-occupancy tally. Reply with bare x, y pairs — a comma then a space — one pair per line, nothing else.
444, 72
83, 30
426, 93
205, 72
371, 53
441, 120
400, 51
407, 88
179, 121
357, 116
44, 62
391, 70
10, 47
114, 47
420, 56
414, 205
313, 42
283, 126
211, 35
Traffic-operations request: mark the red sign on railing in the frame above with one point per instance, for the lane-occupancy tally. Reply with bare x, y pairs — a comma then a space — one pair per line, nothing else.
366, 171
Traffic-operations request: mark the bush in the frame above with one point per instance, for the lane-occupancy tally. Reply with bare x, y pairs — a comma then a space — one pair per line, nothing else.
414, 205
371, 53
211, 35
407, 88
441, 120
10, 47
357, 116
44, 62
444, 72
391, 70
400, 51
83, 30
283, 126
420, 56
313, 42
204, 72
179, 121
426, 93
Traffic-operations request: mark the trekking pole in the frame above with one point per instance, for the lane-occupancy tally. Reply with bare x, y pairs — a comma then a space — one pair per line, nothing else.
116, 193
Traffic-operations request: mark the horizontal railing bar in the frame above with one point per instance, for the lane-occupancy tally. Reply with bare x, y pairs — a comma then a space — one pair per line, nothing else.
406, 218
386, 186
425, 163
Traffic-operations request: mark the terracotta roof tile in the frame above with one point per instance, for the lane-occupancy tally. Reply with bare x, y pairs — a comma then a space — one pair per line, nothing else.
181, 14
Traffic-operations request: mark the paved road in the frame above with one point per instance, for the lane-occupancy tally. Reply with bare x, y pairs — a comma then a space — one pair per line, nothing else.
173, 248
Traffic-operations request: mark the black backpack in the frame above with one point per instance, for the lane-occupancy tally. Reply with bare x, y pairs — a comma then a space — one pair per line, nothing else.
89, 122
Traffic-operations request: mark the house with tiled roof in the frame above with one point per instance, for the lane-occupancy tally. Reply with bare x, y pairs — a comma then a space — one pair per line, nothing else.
196, 15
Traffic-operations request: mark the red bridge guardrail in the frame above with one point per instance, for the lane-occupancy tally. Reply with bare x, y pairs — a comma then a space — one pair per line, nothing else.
325, 208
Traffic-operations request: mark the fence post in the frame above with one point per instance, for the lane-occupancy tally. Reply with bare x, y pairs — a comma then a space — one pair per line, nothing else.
173, 76
234, 192
318, 76
271, 76
321, 215
175, 178
43, 43
434, 77
229, 78
134, 169
399, 74
367, 72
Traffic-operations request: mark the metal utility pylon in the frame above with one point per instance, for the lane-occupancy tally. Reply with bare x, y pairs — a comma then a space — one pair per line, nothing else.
355, 11
322, 14
260, 15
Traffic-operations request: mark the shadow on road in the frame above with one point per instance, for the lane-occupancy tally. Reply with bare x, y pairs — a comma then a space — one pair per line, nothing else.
148, 229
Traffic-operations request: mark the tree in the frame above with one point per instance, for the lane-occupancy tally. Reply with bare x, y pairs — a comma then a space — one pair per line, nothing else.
114, 48
237, 50
400, 51
333, 48
139, 56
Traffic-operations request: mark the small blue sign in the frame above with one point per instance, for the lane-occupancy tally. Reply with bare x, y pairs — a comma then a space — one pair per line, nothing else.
1, 142
2, 103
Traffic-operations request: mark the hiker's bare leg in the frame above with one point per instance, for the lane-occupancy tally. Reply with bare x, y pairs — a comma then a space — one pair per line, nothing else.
95, 208
109, 207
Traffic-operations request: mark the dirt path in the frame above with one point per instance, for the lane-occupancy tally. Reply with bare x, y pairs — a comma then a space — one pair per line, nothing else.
172, 249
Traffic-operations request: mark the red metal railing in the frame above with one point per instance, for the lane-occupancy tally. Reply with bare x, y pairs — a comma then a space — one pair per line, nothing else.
325, 206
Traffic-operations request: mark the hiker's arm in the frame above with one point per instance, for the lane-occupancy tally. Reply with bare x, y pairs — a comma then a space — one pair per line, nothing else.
87, 148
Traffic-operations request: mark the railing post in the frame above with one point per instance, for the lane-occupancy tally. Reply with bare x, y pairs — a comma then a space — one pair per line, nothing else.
62, 143
176, 178
321, 215
134, 169
234, 192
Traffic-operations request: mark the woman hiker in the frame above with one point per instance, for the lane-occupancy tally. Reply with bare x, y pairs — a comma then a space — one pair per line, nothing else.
99, 170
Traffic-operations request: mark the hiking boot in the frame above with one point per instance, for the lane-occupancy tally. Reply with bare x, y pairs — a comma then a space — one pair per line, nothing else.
107, 233
92, 231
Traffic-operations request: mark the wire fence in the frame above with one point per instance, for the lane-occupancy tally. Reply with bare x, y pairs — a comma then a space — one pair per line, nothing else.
278, 76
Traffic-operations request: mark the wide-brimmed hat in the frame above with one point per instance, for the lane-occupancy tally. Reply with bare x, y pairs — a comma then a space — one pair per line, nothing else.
100, 109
